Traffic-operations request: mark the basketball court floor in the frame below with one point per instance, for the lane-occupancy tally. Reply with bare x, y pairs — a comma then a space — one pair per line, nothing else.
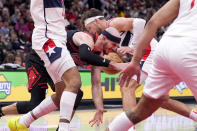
161, 120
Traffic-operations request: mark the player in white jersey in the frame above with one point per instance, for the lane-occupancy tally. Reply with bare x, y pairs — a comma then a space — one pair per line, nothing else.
130, 30
174, 60
48, 40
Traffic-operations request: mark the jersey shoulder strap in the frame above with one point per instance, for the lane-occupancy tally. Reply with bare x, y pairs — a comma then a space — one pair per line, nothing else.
70, 34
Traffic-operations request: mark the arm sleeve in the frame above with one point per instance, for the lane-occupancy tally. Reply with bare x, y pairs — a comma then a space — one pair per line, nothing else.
93, 59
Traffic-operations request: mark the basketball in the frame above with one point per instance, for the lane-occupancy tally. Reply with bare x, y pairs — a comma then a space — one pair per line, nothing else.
112, 56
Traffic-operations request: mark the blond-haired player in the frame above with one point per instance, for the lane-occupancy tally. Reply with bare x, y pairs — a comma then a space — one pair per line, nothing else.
94, 21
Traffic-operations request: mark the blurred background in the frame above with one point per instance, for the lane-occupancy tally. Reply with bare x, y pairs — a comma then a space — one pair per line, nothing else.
16, 24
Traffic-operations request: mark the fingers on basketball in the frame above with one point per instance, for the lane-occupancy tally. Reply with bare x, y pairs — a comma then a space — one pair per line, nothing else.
112, 56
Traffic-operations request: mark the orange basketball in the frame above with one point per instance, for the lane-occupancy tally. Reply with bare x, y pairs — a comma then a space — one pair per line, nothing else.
112, 56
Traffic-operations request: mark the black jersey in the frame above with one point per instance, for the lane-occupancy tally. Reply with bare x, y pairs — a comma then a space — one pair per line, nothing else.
73, 49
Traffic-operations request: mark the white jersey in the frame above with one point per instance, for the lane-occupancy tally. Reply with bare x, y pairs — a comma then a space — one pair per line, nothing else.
49, 22
127, 40
186, 22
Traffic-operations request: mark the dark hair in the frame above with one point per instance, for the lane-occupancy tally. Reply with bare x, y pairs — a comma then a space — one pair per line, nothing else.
9, 58
90, 13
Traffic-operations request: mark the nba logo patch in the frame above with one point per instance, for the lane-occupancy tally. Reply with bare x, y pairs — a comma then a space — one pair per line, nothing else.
52, 51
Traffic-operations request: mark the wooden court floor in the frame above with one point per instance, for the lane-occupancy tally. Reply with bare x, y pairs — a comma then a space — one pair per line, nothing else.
161, 120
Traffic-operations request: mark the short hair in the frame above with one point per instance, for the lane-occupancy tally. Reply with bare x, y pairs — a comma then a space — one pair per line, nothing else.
112, 34
90, 13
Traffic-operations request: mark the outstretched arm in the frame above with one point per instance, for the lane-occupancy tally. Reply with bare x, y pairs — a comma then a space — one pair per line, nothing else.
97, 95
165, 15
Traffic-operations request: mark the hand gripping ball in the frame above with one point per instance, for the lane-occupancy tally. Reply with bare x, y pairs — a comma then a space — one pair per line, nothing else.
112, 56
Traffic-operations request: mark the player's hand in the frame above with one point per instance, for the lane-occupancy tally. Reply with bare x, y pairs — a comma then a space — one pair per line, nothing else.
119, 66
98, 117
124, 50
127, 73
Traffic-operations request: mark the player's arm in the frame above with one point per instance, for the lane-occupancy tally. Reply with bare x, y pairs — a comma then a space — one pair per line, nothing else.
97, 94
86, 44
127, 24
164, 16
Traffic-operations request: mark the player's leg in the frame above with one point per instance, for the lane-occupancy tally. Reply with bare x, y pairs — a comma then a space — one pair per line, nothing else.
186, 71
77, 102
37, 82
141, 111
57, 63
37, 95
61, 67
37, 85
128, 95
46, 107
180, 108
172, 105
176, 106
73, 82
158, 84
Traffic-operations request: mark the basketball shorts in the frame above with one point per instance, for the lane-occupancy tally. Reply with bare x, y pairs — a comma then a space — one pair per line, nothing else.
38, 77
175, 60
57, 59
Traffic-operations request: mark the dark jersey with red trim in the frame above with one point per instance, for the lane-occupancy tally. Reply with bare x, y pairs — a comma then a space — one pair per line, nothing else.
73, 49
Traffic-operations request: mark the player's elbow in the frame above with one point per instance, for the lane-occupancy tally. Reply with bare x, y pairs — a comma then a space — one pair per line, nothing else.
84, 52
140, 21
138, 24
83, 57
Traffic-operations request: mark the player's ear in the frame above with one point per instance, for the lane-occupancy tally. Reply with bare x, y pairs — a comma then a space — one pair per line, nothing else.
104, 37
96, 21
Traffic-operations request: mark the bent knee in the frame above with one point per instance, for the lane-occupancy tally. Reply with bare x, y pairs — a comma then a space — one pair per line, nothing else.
74, 84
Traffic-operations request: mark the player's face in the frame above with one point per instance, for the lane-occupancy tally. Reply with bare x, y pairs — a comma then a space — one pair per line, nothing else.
93, 28
109, 46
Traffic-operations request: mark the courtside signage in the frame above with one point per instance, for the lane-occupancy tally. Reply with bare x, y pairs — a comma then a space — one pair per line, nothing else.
13, 87
5, 87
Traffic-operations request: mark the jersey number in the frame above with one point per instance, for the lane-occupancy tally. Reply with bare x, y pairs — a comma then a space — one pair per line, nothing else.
192, 4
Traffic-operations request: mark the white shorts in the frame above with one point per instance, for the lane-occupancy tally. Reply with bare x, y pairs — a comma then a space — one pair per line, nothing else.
147, 65
175, 60
57, 59
143, 76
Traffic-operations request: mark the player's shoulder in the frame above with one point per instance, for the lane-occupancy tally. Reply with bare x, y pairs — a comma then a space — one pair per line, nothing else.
82, 34
118, 22
120, 19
